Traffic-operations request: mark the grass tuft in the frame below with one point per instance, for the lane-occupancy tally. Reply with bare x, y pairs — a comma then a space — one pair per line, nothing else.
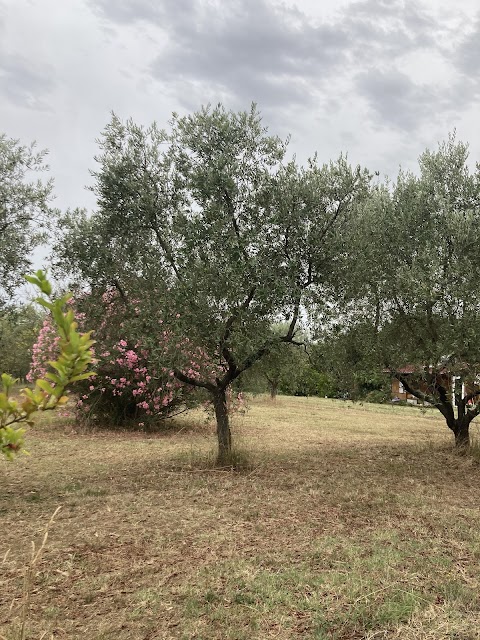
206, 459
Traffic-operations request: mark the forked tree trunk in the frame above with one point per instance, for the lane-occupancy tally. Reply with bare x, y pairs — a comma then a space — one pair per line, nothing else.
223, 426
460, 425
272, 386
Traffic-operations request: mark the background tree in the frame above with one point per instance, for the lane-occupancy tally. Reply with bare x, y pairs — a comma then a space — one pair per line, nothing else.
19, 326
24, 210
348, 359
417, 273
280, 371
209, 225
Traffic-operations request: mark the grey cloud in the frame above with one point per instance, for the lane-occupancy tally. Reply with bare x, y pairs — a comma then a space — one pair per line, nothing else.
166, 14
277, 56
467, 57
23, 84
248, 48
257, 52
126, 11
382, 30
408, 14
397, 100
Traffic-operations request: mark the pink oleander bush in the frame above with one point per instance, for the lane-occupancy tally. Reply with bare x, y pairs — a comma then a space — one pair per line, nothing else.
132, 385
44, 350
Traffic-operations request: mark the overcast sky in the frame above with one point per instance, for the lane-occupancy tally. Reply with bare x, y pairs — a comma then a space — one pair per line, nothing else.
379, 79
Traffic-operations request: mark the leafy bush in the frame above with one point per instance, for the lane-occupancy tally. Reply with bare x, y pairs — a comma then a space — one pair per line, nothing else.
19, 326
377, 397
314, 383
132, 386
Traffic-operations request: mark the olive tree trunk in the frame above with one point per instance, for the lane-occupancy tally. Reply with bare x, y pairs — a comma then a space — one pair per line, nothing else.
461, 432
224, 434
273, 391
459, 425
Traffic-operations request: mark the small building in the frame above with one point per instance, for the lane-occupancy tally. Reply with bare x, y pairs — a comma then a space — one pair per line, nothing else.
453, 384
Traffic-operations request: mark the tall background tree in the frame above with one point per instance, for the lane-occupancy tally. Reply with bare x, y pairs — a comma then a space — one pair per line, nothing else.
280, 371
210, 225
416, 284
24, 210
19, 326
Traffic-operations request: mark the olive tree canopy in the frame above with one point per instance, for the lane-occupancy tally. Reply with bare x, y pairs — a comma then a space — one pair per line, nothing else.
417, 271
221, 234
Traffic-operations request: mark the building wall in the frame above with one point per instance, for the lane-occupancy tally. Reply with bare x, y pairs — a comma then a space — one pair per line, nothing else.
399, 392
446, 380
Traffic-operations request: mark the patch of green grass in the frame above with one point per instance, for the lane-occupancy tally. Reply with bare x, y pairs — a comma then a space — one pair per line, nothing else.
52, 612
93, 492
72, 487
33, 496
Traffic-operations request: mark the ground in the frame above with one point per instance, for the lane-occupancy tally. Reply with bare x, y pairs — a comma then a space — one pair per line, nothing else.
344, 521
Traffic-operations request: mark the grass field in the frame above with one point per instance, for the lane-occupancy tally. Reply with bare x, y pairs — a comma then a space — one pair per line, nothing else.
343, 522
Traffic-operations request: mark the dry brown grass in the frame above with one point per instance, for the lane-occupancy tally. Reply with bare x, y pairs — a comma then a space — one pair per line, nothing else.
345, 522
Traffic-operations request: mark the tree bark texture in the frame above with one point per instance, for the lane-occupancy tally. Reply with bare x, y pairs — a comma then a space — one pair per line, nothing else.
223, 426
461, 432
273, 391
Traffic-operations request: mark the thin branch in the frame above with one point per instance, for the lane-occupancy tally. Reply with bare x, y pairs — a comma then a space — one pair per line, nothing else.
231, 212
166, 250
195, 383
120, 290
333, 219
253, 358
226, 353
230, 322
293, 323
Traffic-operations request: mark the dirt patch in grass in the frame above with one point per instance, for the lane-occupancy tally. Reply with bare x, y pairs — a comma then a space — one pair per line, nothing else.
346, 521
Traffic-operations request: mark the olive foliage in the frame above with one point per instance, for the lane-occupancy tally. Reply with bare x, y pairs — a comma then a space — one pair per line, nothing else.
210, 223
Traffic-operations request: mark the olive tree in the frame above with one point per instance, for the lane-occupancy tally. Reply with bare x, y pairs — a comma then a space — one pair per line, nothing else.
19, 326
210, 224
24, 210
283, 369
417, 273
